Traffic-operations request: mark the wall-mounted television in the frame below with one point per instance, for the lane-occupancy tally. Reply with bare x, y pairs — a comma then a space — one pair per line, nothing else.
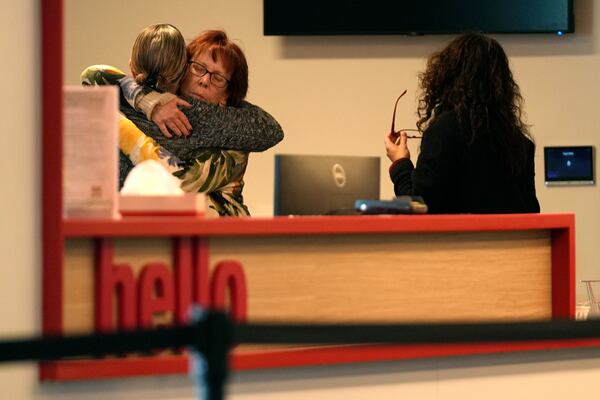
416, 17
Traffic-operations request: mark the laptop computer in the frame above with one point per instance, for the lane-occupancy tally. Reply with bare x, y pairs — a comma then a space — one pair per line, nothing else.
324, 184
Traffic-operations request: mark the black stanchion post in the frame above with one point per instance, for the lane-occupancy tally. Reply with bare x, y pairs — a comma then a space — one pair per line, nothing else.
213, 339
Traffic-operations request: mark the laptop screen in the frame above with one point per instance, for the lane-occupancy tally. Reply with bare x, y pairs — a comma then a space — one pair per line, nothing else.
323, 184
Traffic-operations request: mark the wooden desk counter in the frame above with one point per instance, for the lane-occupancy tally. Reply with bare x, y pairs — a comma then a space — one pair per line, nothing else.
314, 269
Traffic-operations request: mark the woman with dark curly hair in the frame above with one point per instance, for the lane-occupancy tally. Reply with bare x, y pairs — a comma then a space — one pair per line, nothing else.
476, 154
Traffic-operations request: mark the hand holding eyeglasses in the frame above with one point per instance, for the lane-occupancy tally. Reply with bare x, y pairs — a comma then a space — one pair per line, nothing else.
395, 145
396, 141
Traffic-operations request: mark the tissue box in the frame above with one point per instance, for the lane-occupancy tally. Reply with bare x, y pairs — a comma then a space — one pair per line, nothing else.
189, 204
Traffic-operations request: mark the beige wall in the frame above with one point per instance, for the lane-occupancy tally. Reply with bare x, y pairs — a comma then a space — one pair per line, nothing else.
335, 95
20, 166
332, 95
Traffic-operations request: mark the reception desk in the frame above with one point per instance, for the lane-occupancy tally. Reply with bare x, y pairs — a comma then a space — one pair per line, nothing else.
141, 272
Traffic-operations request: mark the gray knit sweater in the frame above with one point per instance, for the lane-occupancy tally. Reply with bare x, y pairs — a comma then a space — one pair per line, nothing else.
247, 128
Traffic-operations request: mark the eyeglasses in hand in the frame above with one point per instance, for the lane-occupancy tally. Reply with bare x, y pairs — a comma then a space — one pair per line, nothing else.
414, 136
215, 78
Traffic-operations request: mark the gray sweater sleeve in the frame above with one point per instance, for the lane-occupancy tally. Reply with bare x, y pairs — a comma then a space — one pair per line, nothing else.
246, 128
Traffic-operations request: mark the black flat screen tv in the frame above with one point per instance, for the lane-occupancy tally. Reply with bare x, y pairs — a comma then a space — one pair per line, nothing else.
418, 17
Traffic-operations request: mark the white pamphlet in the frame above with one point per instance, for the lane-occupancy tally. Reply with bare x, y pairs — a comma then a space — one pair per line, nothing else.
90, 157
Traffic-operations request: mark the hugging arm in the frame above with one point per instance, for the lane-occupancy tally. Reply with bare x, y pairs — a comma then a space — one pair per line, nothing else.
137, 96
247, 128
99, 75
133, 143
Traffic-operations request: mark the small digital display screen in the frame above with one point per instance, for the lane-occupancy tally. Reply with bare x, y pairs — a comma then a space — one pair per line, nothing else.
569, 164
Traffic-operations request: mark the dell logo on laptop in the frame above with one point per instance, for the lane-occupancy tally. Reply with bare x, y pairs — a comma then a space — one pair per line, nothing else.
339, 175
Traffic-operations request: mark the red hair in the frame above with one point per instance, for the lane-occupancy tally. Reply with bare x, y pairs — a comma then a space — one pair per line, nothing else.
219, 47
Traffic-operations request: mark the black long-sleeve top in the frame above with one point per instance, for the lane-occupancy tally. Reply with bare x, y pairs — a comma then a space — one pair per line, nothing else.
454, 176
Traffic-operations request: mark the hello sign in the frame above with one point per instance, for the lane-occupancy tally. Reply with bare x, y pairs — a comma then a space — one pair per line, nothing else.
160, 288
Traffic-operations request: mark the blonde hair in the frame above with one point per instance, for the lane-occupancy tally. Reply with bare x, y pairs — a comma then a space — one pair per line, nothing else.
159, 57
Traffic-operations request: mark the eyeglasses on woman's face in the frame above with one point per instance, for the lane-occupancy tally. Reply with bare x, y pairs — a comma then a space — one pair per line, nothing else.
215, 78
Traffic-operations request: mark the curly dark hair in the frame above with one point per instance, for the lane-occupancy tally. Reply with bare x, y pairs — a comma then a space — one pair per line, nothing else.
471, 76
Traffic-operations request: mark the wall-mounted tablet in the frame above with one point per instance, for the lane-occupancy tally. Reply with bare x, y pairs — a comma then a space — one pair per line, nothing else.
569, 165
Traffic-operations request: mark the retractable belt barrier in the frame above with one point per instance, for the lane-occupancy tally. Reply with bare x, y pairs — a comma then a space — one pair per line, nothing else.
212, 335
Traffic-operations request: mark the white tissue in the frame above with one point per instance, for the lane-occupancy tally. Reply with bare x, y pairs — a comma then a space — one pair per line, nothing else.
150, 178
